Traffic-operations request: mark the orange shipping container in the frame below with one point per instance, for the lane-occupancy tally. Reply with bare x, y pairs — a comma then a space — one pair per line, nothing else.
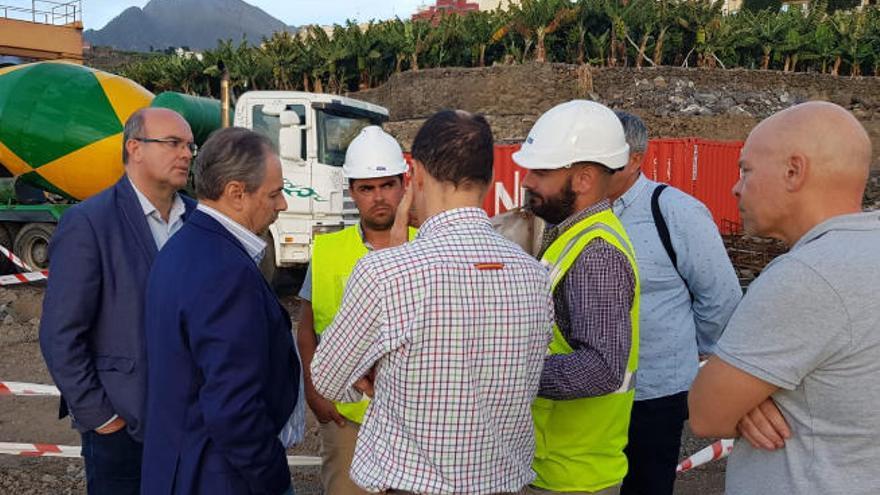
704, 169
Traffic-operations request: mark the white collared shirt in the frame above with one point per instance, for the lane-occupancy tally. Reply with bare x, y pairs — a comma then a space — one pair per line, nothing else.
253, 245
161, 230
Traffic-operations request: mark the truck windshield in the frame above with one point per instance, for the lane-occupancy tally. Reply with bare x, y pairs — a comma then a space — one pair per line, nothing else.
335, 132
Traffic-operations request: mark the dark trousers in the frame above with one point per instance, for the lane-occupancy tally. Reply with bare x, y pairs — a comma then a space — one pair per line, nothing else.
113, 463
654, 443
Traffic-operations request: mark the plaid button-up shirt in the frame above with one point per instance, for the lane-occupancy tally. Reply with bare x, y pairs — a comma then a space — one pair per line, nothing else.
593, 303
457, 324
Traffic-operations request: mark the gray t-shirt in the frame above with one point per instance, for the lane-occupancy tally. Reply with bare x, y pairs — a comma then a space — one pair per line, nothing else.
810, 324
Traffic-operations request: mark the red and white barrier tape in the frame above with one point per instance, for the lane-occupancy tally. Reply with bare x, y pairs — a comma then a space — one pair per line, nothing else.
38, 450
23, 278
15, 259
73, 451
28, 389
717, 450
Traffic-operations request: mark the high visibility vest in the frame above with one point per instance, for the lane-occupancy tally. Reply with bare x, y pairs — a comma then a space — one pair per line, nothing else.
333, 259
579, 443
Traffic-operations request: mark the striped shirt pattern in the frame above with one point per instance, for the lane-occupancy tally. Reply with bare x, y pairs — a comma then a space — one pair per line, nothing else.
457, 324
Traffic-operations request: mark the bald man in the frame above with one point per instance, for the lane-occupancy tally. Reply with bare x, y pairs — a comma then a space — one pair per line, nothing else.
797, 371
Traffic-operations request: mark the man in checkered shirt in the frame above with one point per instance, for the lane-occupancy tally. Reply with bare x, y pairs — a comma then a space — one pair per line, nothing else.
448, 333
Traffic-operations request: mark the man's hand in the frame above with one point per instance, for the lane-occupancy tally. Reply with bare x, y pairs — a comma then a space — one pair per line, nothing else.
365, 383
400, 229
764, 426
114, 426
325, 410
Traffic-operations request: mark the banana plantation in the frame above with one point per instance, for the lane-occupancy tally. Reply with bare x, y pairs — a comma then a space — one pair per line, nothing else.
600, 33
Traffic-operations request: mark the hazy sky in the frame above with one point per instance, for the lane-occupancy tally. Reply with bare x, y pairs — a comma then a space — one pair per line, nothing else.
97, 13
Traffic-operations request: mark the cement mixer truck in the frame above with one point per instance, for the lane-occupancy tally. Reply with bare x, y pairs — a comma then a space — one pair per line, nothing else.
61, 139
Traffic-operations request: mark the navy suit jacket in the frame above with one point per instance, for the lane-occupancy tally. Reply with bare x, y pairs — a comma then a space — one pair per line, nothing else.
223, 373
91, 332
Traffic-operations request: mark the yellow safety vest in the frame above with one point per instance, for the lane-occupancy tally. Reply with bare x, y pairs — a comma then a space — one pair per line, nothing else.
333, 259
579, 443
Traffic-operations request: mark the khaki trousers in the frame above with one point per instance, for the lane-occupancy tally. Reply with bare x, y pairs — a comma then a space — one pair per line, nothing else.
337, 451
611, 490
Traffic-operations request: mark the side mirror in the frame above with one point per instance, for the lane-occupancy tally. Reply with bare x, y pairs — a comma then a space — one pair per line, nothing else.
290, 136
289, 118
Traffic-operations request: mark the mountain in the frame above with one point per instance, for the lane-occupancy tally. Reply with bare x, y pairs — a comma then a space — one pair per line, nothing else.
196, 24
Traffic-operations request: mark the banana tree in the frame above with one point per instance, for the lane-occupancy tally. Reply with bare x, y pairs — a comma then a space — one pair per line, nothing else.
701, 18
477, 30
855, 47
328, 53
535, 19
589, 17
445, 42
766, 31
249, 69
359, 45
286, 52
415, 40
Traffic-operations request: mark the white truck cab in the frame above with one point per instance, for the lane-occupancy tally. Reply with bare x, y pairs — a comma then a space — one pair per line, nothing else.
311, 133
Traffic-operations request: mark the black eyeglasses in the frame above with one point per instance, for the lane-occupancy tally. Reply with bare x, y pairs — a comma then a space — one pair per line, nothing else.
173, 142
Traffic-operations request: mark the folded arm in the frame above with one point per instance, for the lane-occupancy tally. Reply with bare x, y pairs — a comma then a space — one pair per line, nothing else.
721, 396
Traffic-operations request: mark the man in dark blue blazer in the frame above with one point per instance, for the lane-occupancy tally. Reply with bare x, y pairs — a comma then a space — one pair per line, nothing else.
91, 333
223, 373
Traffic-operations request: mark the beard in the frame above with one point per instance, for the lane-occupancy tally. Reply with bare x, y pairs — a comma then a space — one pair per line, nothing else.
552, 209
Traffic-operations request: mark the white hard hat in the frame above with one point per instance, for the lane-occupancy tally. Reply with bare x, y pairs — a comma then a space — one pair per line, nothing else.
575, 131
373, 153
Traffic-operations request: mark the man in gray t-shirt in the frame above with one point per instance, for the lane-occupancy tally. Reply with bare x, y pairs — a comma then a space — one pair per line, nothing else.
796, 372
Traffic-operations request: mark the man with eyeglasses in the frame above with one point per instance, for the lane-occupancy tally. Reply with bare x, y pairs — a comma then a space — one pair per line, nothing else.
91, 333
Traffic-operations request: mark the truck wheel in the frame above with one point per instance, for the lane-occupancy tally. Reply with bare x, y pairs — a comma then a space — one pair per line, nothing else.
32, 244
6, 266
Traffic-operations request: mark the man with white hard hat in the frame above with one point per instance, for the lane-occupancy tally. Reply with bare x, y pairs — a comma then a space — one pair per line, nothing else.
587, 387
374, 166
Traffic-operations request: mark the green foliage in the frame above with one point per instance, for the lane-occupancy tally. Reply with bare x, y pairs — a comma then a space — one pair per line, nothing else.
835, 5
759, 5
351, 57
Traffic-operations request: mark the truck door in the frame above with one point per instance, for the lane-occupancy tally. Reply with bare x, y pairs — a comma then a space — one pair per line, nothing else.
266, 119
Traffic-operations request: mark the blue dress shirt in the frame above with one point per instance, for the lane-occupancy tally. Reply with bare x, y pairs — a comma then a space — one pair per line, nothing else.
673, 329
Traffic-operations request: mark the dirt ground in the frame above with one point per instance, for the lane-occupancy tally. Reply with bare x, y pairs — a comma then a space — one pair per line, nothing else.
34, 419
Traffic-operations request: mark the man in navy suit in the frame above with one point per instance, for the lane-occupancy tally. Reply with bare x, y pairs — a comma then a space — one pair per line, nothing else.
223, 373
91, 333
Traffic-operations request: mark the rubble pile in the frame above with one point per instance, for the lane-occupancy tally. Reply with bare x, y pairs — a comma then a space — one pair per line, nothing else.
679, 96
20, 315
